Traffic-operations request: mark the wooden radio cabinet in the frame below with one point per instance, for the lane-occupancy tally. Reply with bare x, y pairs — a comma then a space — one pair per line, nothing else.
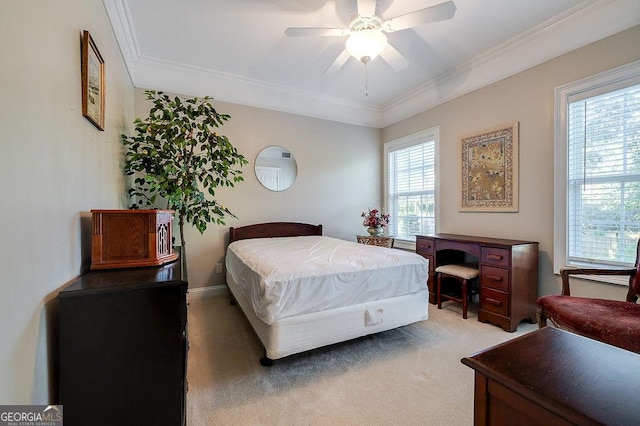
131, 238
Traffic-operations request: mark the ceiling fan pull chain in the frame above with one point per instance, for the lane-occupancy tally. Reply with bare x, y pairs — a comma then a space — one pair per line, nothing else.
366, 80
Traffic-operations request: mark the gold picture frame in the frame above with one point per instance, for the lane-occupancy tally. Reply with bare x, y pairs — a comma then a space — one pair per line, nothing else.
489, 170
93, 82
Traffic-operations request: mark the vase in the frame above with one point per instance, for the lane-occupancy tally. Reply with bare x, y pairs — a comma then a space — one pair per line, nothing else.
374, 231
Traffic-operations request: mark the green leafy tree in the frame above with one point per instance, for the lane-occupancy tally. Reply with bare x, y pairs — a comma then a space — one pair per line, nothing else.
177, 157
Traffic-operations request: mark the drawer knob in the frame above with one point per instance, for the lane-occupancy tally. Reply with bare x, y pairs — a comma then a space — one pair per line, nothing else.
494, 257
493, 301
493, 277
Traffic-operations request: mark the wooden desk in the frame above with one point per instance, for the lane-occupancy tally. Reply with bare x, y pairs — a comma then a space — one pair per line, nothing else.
380, 240
508, 273
552, 377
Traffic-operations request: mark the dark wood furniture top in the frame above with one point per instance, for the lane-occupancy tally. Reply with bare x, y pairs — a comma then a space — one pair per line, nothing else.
134, 278
123, 346
508, 283
273, 229
500, 242
551, 376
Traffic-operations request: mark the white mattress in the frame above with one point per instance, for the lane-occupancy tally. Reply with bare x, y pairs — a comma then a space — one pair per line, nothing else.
291, 276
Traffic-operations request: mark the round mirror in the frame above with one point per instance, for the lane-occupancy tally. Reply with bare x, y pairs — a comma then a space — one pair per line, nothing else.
275, 168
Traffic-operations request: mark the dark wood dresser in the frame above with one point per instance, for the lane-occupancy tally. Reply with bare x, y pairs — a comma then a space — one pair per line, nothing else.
123, 347
508, 273
553, 377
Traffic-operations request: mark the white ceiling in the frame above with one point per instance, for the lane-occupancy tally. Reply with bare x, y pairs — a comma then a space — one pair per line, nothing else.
236, 50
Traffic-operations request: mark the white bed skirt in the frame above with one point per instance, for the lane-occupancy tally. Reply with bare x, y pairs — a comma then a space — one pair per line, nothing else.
300, 333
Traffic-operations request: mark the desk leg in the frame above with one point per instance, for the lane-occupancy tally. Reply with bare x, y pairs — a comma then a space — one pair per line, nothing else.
431, 284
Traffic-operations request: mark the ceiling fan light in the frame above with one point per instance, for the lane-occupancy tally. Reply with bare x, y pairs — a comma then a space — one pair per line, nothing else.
365, 45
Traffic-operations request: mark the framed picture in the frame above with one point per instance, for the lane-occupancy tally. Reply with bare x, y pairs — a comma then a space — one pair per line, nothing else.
489, 170
93, 84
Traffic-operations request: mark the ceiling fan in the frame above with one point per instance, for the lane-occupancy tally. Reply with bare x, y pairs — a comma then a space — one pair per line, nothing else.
366, 33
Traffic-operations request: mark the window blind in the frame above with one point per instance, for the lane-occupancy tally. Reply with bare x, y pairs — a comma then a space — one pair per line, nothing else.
603, 177
411, 190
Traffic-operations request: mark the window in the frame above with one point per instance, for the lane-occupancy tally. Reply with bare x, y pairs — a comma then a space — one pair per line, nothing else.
598, 170
410, 182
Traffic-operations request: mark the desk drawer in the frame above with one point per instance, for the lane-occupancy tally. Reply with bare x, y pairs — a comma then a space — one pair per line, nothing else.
494, 301
496, 256
425, 246
493, 277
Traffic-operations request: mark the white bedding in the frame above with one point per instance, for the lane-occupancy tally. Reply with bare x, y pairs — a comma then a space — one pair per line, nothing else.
290, 276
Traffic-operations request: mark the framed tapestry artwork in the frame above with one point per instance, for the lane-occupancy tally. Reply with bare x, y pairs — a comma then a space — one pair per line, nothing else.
489, 170
93, 84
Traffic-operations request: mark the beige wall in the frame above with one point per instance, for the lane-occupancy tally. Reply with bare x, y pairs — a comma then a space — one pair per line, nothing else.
339, 175
54, 165
528, 98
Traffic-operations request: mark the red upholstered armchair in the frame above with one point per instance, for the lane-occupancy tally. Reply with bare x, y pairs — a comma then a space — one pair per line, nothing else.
610, 321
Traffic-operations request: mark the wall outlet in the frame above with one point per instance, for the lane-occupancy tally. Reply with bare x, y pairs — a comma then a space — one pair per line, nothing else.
218, 268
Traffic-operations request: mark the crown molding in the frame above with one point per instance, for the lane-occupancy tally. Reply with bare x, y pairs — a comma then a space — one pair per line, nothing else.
585, 23
120, 19
189, 80
579, 26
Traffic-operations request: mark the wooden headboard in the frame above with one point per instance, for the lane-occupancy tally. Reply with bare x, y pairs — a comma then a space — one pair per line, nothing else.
273, 229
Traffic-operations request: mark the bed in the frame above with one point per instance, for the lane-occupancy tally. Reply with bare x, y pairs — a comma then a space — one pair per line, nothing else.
301, 290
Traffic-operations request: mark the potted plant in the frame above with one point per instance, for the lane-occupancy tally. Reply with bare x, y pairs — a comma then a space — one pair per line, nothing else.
178, 157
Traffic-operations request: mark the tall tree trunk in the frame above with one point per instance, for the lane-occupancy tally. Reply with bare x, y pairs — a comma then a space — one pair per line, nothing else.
181, 224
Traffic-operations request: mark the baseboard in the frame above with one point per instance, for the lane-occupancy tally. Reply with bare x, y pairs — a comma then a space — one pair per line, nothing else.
209, 291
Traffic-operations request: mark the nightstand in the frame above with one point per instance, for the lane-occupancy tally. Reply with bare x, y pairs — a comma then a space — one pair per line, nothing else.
371, 240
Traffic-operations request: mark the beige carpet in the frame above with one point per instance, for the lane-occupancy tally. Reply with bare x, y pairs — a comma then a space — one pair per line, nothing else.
407, 376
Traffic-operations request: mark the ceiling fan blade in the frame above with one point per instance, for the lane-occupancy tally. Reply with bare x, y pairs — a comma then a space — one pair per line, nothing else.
366, 7
394, 58
337, 64
318, 32
439, 12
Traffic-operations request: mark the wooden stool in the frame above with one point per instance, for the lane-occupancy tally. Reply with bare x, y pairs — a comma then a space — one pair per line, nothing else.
462, 273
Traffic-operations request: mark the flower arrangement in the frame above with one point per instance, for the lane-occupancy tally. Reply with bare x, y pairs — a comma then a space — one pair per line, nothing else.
375, 219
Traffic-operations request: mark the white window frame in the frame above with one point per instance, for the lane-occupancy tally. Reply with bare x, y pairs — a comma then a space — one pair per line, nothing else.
607, 81
432, 133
